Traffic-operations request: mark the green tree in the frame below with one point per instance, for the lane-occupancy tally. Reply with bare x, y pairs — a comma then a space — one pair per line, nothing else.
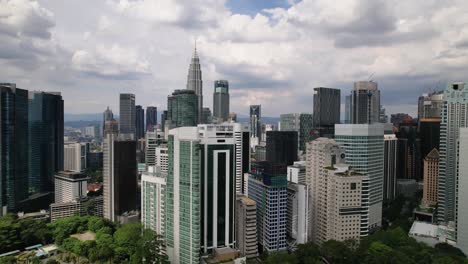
151, 248
281, 258
336, 252
308, 253
127, 237
9, 229
8, 260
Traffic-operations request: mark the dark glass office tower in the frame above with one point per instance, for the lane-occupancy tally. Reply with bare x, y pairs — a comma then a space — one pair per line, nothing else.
348, 110
151, 118
221, 100
429, 133
127, 124
365, 103
125, 176
119, 176
45, 140
327, 104
281, 147
255, 121
410, 152
163, 120
182, 109
140, 122
13, 146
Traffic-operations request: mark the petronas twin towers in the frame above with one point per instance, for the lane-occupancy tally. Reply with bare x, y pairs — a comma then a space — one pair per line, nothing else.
195, 83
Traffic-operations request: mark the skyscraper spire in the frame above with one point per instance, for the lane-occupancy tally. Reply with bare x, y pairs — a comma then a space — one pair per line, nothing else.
194, 81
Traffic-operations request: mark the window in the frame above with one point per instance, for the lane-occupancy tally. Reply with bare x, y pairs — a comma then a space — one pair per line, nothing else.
353, 186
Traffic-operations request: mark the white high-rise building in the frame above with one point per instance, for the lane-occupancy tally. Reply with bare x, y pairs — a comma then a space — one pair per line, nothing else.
297, 220
297, 172
462, 209
74, 156
454, 117
70, 186
153, 183
364, 152
343, 215
151, 142
161, 157
321, 153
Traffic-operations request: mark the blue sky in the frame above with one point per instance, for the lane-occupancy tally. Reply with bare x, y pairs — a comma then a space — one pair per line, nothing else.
252, 7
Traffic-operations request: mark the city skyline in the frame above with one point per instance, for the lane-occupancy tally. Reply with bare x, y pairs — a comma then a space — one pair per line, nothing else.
260, 48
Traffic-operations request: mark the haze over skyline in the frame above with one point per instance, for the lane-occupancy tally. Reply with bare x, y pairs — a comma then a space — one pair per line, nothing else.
272, 52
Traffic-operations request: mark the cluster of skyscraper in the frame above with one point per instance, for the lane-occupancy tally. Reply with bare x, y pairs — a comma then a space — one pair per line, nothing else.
216, 189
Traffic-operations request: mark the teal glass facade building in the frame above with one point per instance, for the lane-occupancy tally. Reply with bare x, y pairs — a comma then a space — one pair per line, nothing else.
45, 140
182, 109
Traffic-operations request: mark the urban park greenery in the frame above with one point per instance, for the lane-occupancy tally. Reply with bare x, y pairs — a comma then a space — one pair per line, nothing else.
105, 241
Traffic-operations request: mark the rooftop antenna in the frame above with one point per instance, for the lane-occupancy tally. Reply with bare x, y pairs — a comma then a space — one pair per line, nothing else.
370, 77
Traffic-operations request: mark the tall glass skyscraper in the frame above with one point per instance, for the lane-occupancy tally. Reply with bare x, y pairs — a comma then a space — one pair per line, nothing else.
221, 101
13, 146
106, 116
182, 109
140, 122
195, 83
364, 151
302, 123
45, 140
454, 116
255, 121
201, 186
151, 118
120, 177
182, 230
327, 104
267, 186
365, 103
281, 147
127, 123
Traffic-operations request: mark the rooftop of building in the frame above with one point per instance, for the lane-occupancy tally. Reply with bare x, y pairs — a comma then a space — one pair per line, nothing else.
71, 175
343, 170
183, 91
440, 232
433, 154
246, 200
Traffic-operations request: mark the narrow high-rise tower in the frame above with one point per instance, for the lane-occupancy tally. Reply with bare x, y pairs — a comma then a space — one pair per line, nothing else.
454, 116
221, 100
365, 103
127, 124
140, 122
13, 146
195, 83
151, 118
